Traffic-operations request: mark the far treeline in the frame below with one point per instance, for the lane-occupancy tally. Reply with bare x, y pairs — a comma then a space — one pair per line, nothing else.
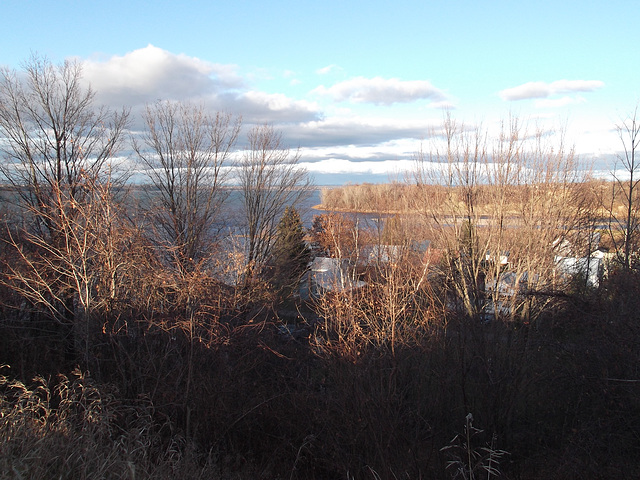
486, 325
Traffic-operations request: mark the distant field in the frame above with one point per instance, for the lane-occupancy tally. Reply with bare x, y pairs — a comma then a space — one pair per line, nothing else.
596, 196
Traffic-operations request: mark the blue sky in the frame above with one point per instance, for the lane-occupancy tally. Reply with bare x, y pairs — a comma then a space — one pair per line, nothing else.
357, 85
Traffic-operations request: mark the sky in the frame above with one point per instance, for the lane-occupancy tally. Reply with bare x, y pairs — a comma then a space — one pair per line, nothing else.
358, 86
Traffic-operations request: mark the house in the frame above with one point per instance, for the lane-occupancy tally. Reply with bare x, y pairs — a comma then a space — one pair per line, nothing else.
589, 268
377, 254
328, 275
506, 291
502, 259
381, 254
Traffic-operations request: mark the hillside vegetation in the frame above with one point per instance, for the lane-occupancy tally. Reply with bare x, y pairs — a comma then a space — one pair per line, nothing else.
476, 330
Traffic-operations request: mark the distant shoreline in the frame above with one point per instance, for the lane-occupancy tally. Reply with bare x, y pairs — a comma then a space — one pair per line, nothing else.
361, 212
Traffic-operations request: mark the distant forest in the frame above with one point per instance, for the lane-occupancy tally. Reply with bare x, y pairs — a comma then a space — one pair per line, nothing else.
479, 320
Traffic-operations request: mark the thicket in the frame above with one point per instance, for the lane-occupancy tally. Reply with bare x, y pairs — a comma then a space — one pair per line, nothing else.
190, 378
135, 348
374, 387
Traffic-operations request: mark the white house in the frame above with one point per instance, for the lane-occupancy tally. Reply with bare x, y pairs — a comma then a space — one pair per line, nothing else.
590, 268
329, 275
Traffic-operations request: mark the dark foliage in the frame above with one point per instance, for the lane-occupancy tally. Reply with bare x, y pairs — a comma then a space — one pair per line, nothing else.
290, 254
560, 395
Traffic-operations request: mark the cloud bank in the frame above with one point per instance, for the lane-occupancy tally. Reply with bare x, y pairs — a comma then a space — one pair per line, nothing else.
355, 130
534, 90
381, 91
352, 137
151, 73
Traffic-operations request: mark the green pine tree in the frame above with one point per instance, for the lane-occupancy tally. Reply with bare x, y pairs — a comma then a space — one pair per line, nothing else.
291, 254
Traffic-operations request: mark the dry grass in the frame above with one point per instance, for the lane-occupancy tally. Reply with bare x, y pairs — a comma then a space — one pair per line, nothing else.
406, 198
71, 428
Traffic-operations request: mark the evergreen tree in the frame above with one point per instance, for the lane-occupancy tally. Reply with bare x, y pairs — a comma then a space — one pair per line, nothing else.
291, 253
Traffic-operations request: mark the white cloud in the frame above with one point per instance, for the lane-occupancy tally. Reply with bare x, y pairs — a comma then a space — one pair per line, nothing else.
292, 77
328, 69
344, 166
559, 102
354, 130
150, 73
381, 91
260, 107
442, 105
544, 90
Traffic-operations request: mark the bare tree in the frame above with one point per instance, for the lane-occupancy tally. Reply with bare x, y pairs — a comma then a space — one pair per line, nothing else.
185, 149
624, 222
270, 180
507, 201
73, 279
56, 148
54, 137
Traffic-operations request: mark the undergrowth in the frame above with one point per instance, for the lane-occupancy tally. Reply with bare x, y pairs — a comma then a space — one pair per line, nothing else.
69, 428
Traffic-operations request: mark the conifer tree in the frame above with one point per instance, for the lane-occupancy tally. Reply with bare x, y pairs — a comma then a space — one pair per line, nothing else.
291, 253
